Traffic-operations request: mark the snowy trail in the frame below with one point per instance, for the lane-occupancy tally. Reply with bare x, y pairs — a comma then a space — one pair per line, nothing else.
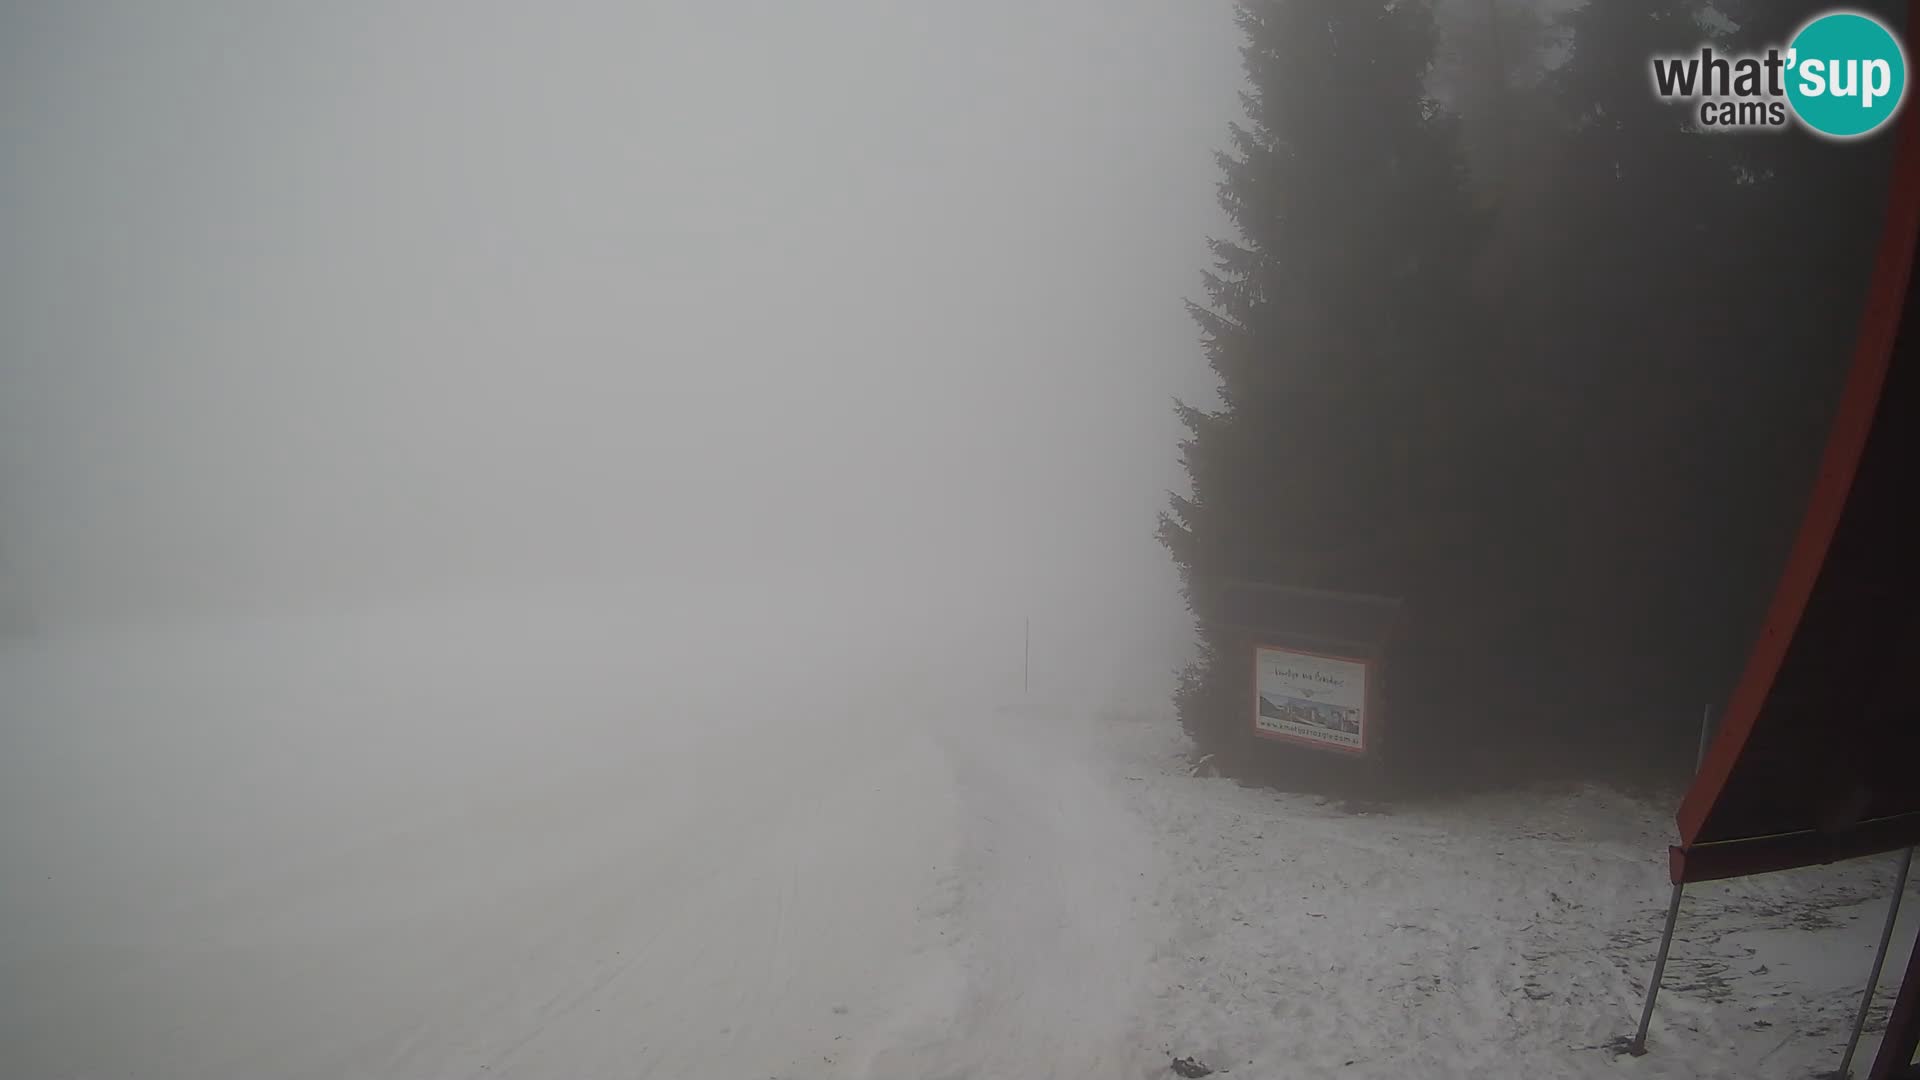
1053, 947
288, 872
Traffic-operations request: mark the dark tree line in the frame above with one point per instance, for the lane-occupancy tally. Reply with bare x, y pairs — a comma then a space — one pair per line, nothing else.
1502, 335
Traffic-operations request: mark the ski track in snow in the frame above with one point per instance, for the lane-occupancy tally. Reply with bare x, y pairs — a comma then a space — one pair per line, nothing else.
849, 890
1051, 946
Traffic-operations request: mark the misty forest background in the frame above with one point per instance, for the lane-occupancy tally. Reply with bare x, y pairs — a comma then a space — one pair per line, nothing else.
1494, 332
1500, 335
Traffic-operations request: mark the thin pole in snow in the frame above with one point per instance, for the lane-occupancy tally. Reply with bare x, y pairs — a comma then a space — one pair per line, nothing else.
1639, 1044
1879, 958
1706, 729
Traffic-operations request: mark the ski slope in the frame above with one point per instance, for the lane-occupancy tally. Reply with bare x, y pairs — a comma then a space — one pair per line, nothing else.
376, 847
326, 851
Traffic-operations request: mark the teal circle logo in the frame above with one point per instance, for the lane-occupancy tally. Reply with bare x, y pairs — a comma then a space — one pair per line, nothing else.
1847, 74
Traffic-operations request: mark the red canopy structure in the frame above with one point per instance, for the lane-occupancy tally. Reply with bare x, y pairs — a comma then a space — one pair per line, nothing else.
1818, 755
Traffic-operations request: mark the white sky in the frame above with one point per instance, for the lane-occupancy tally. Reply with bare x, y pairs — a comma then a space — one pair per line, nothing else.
304, 301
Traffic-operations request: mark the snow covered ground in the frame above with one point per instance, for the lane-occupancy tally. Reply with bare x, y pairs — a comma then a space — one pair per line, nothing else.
1507, 935
346, 852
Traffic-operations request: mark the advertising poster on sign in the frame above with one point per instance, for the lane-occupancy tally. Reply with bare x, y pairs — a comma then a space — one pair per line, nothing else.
1311, 698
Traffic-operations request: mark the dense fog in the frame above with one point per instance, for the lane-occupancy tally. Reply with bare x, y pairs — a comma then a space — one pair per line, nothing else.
681, 538
413, 415
757, 308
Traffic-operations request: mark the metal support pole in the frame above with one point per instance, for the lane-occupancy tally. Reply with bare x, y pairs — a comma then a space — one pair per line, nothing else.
1639, 1044
1879, 959
1902, 1040
1706, 730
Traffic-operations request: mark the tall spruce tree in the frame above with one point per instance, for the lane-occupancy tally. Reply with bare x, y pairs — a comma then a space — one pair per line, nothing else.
1696, 362
1639, 201
1495, 58
1353, 420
